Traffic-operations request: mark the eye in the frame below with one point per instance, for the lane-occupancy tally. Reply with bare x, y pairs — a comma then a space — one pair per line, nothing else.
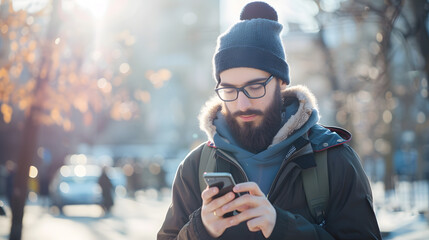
228, 90
254, 87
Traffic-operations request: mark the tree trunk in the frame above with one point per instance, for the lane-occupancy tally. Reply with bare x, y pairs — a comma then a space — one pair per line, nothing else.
29, 136
386, 86
19, 196
332, 74
421, 11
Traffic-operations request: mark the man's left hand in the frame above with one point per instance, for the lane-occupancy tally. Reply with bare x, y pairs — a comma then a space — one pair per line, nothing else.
253, 207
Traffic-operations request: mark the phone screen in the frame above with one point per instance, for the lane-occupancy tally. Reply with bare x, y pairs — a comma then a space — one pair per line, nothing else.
222, 180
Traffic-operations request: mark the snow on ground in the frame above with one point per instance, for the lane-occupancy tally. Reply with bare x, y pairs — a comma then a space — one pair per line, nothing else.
403, 213
399, 214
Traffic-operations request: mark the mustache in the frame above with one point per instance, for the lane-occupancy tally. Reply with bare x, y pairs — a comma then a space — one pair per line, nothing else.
248, 112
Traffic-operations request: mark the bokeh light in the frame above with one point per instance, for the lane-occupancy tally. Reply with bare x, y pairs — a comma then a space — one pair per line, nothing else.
79, 170
33, 172
65, 171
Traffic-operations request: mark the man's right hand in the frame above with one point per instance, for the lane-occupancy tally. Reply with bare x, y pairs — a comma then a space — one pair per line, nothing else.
214, 223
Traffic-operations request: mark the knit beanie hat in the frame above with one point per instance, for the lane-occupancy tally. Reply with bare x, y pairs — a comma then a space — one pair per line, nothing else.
253, 42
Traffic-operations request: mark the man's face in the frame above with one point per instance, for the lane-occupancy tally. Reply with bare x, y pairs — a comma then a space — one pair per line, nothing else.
243, 109
253, 122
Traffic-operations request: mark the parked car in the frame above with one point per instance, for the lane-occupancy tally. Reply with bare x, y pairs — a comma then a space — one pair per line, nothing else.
78, 185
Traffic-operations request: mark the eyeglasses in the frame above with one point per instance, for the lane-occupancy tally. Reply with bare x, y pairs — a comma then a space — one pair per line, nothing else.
252, 91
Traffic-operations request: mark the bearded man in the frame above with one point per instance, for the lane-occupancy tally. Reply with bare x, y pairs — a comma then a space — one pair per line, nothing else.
271, 131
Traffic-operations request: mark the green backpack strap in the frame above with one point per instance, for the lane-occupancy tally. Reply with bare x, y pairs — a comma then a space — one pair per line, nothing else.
316, 186
207, 164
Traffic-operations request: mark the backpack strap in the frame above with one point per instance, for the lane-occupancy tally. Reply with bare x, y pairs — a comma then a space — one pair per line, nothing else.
316, 186
207, 164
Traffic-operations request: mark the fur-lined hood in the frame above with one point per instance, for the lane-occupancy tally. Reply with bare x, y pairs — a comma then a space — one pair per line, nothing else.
307, 104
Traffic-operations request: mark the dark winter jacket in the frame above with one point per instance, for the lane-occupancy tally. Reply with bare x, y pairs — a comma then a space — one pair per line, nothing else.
349, 213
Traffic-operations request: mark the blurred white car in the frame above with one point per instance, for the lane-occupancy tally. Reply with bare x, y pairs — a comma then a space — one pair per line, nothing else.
78, 184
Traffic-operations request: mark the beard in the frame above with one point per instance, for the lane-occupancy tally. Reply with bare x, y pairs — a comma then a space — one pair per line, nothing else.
255, 139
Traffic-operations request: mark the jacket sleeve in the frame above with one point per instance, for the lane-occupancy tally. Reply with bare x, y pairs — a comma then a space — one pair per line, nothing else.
349, 214
183, 218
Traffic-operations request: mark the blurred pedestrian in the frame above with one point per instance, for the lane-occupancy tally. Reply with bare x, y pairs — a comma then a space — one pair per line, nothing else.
266, 134
11, 169
107, 190
405, 160
44, 190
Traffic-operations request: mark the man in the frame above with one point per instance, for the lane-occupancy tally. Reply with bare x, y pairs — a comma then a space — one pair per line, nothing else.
266, 126
106, 190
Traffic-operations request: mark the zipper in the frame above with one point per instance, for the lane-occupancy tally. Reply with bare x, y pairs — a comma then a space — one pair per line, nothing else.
292, 153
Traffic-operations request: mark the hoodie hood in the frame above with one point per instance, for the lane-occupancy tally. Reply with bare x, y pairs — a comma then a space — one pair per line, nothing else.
295, 118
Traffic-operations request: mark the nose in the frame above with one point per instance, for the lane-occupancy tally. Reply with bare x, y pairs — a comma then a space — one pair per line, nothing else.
243, 102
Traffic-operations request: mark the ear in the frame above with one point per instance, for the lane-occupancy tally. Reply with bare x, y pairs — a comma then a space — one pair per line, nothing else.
283, 85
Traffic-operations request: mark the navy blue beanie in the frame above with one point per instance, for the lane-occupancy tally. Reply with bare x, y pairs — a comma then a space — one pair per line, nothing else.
253, 42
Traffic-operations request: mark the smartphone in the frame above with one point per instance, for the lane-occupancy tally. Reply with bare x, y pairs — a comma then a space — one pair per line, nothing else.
223, 180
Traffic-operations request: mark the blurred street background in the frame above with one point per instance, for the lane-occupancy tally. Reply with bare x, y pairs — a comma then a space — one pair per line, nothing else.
99, 102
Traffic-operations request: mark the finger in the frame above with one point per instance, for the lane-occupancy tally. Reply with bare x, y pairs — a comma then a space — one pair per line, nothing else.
224, 223
244, 202
215, 225
217, 203
243, 216
248, 215
255, 224
242, 208
208, 193
261, 224
250, 187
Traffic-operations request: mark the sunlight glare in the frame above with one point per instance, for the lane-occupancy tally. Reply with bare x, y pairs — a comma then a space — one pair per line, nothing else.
31, 6
96, 7
301, 12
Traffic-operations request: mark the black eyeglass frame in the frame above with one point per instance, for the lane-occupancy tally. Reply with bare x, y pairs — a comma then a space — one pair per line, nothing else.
242, 89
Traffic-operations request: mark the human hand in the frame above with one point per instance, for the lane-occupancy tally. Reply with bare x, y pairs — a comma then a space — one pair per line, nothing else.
210, 211
253, 207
